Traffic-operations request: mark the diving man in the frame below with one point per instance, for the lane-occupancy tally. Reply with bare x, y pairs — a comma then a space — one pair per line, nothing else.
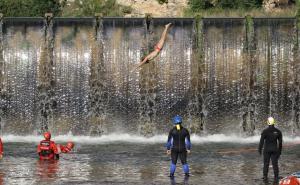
157, 48
178, 144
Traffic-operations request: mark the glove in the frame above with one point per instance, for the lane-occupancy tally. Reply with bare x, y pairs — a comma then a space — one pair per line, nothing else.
168, 152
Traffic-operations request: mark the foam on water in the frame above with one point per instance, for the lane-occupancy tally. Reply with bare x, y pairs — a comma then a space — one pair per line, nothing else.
128, 138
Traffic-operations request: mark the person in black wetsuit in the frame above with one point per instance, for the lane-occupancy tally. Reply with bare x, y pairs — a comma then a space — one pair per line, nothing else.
178, 144
271, 141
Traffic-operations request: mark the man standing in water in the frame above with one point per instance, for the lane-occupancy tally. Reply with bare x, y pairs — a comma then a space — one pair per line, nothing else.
178, 144
157, 47
271, 141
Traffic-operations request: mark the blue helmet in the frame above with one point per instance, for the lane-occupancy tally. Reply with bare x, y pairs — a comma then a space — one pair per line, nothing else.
177, 120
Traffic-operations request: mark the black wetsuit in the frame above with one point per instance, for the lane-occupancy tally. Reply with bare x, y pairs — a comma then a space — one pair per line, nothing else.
181, 143
271, 140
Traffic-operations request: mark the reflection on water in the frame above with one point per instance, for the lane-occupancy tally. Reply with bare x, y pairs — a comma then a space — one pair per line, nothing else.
144, 163
1, 177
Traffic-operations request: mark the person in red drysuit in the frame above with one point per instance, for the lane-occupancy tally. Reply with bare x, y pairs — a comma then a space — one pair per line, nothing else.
65, 149
47, 149
290, 180
1, 149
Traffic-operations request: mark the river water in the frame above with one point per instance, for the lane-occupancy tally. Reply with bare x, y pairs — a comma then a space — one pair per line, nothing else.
126, 159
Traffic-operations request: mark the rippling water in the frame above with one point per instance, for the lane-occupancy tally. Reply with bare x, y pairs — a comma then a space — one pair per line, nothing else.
125, 159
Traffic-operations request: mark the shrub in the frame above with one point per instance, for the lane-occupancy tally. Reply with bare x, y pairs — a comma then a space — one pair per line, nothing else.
196, 5
30, 8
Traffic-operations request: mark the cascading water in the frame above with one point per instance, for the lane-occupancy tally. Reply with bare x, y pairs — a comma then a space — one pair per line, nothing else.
223, 48
72, 57
222, 75
74, 75
274, 70
22, 41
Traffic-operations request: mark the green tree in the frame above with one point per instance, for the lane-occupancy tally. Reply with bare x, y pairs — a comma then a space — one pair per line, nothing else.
196, 5
30, 8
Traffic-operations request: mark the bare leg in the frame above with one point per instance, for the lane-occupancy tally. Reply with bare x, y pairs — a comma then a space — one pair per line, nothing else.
161, 42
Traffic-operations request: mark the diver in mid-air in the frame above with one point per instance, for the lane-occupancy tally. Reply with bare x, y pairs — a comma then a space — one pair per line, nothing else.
178, 145
157, 48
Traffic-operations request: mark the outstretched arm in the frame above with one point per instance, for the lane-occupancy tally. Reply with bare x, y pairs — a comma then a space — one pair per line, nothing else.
142, 62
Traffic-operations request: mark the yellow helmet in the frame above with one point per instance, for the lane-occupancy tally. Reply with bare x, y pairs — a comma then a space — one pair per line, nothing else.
271, 121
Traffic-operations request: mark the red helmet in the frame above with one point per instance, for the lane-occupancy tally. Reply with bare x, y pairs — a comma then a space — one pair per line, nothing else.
47, 135
70, 145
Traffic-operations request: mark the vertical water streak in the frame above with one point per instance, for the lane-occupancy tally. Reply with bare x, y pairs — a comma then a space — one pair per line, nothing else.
74, 39
46, 81
123, 44
98, 96
248, 79
148, 86
196, 107
22, 38
2, 88
223, 45
274, 70
296, 81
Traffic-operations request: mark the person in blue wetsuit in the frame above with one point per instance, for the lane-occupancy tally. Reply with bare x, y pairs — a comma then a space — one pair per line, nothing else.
178, 144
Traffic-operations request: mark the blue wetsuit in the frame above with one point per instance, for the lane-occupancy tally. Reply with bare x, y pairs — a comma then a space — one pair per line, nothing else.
179, 142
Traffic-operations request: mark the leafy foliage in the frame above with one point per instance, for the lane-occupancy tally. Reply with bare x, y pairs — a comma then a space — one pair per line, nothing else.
30, 8
197, 5
34, 8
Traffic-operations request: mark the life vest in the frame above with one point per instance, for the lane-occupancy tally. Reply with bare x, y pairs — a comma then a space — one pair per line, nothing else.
45, 150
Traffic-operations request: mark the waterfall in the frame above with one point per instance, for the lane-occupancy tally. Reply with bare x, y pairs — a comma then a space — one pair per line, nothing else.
76, 75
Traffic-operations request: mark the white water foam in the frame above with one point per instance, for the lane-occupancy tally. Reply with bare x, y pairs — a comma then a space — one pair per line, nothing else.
129, 138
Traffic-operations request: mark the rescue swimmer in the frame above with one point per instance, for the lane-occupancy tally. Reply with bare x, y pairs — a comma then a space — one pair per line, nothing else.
49, 150
293, 179
178, 145
271, 141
